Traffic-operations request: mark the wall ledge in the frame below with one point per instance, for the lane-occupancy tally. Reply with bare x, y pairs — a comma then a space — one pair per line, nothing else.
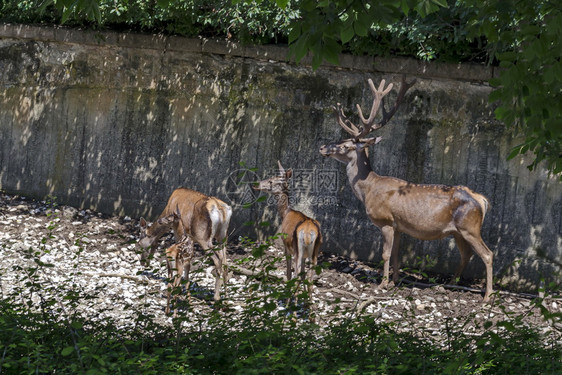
398, 65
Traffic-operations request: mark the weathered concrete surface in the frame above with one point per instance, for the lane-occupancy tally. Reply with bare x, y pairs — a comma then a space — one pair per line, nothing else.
117, 121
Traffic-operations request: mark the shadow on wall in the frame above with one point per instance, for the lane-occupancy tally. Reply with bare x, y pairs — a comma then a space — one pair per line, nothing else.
118, 129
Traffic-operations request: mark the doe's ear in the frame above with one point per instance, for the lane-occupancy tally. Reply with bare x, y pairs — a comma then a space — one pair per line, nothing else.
289, 173
142, 222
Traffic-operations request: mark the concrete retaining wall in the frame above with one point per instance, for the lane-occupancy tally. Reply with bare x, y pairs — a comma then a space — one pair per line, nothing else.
117, 121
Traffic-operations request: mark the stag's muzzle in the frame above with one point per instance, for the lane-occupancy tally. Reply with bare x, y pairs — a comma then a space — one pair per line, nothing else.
326, 150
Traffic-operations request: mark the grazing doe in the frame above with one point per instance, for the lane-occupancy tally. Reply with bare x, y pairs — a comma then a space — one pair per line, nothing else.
202, 218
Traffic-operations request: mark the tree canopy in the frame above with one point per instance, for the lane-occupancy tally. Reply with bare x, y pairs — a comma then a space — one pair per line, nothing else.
523, 37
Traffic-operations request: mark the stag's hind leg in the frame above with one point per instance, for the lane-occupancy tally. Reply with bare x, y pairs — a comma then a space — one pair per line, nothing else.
466, 254
479, 247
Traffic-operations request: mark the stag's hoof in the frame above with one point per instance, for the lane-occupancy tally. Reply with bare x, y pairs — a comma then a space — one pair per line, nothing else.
385, 285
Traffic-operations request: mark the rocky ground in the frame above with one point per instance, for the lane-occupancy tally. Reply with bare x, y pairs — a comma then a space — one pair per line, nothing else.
98, 255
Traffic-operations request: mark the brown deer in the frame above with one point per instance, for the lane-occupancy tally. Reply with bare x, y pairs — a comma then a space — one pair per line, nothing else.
426, 212
203, 218
178, 262
302, 237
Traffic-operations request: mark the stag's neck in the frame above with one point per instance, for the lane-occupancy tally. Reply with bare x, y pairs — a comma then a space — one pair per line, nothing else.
358, 172
283, 204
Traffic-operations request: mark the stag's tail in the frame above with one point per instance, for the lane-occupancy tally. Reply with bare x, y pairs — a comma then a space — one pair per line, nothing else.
483, 202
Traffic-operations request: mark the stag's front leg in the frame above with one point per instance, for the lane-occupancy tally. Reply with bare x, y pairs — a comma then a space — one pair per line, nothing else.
388, 237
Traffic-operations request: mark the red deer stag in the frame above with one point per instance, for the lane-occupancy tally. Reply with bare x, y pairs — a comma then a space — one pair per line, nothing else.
426, 212
203, 218
303, 237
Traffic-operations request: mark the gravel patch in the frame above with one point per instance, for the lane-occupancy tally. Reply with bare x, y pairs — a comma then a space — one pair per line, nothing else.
97, 255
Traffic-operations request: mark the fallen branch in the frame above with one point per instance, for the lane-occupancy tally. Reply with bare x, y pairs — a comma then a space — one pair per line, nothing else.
343, 292
446, 286
254, 273
473, 290
123, 276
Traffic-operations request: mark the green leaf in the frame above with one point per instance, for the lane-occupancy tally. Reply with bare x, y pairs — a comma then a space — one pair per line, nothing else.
295, 33
299, 49
67, 351
362, 24
163, 3
282, 3
514, 152
317, 59
507, 56
347, 34
441, 3
495, 82
332, 51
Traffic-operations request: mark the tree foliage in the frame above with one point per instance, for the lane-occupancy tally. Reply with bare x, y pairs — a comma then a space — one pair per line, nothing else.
528, 40
522, 36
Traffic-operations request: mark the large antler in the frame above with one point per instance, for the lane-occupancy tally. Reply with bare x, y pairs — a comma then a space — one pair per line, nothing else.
378, 101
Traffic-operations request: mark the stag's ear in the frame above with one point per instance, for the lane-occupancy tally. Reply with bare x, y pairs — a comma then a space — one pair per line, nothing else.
368, 142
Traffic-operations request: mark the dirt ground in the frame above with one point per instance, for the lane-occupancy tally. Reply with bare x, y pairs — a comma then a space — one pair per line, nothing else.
99, 254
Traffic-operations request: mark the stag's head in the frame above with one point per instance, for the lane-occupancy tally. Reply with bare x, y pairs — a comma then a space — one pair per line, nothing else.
277, 184
346, 150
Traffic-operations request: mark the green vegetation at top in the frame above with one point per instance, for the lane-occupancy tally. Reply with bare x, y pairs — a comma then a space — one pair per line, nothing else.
523, 37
